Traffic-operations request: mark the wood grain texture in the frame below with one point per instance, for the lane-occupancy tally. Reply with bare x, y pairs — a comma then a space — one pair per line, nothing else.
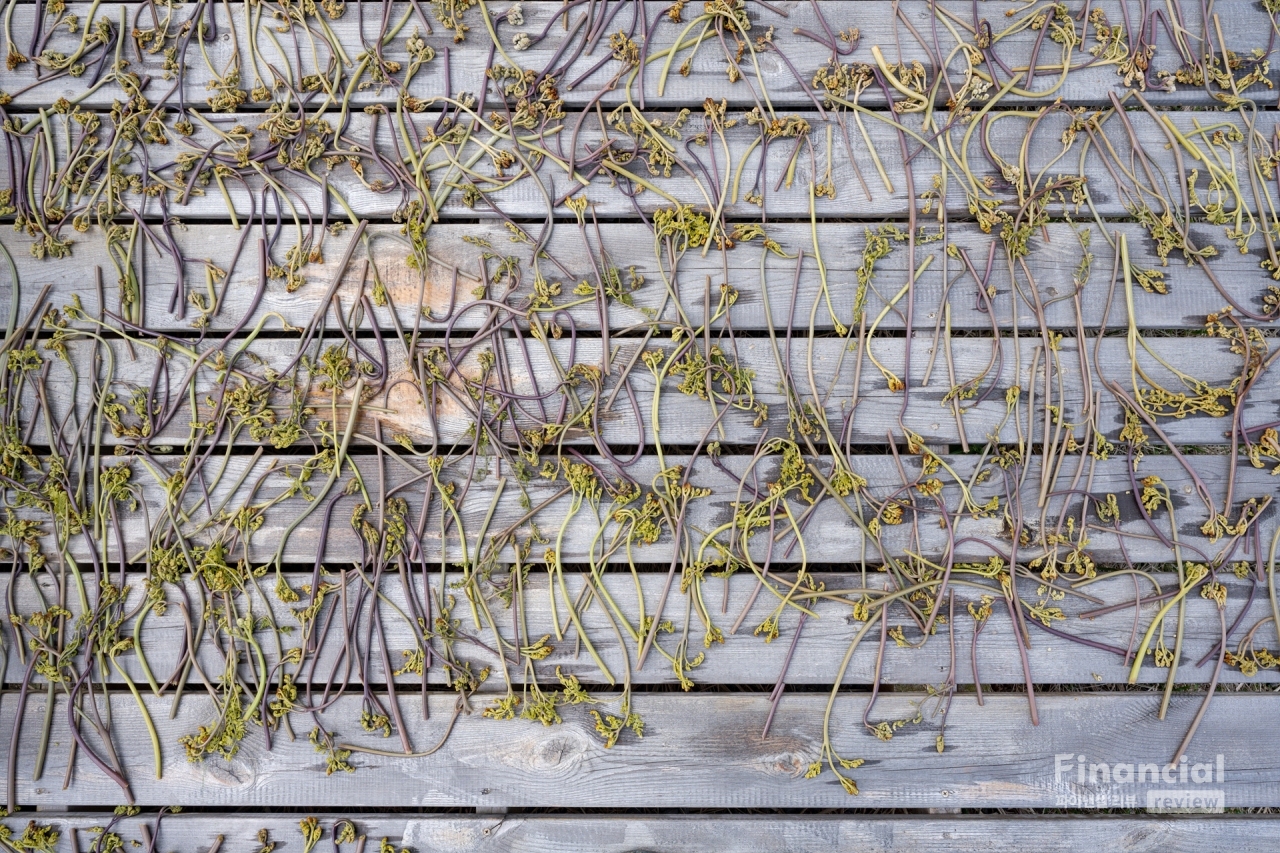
834, 538
1246, 27
820, 368
744, 658
698, 751
782, 171
701, 750
671, 833
1053, 263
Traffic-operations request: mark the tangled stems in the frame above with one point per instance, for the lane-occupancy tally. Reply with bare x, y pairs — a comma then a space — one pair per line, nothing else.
439, 409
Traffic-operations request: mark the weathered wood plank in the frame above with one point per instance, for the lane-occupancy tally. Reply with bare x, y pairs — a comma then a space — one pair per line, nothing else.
819, 368
695, 754
832, 538
719, 175
695, 751
744, 658
291, 53
1053, 262
674, 833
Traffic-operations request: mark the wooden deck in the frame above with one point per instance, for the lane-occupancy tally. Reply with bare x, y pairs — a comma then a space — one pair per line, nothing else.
357, 342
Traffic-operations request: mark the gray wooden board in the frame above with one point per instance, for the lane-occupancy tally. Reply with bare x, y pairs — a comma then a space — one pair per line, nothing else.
743, 658
673, 833
684, 419
832, 538
527, 197
1244, 28
698, 751
695, 745
1053, 263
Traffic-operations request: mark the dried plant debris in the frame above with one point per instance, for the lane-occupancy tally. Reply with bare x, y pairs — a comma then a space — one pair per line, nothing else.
388, 351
